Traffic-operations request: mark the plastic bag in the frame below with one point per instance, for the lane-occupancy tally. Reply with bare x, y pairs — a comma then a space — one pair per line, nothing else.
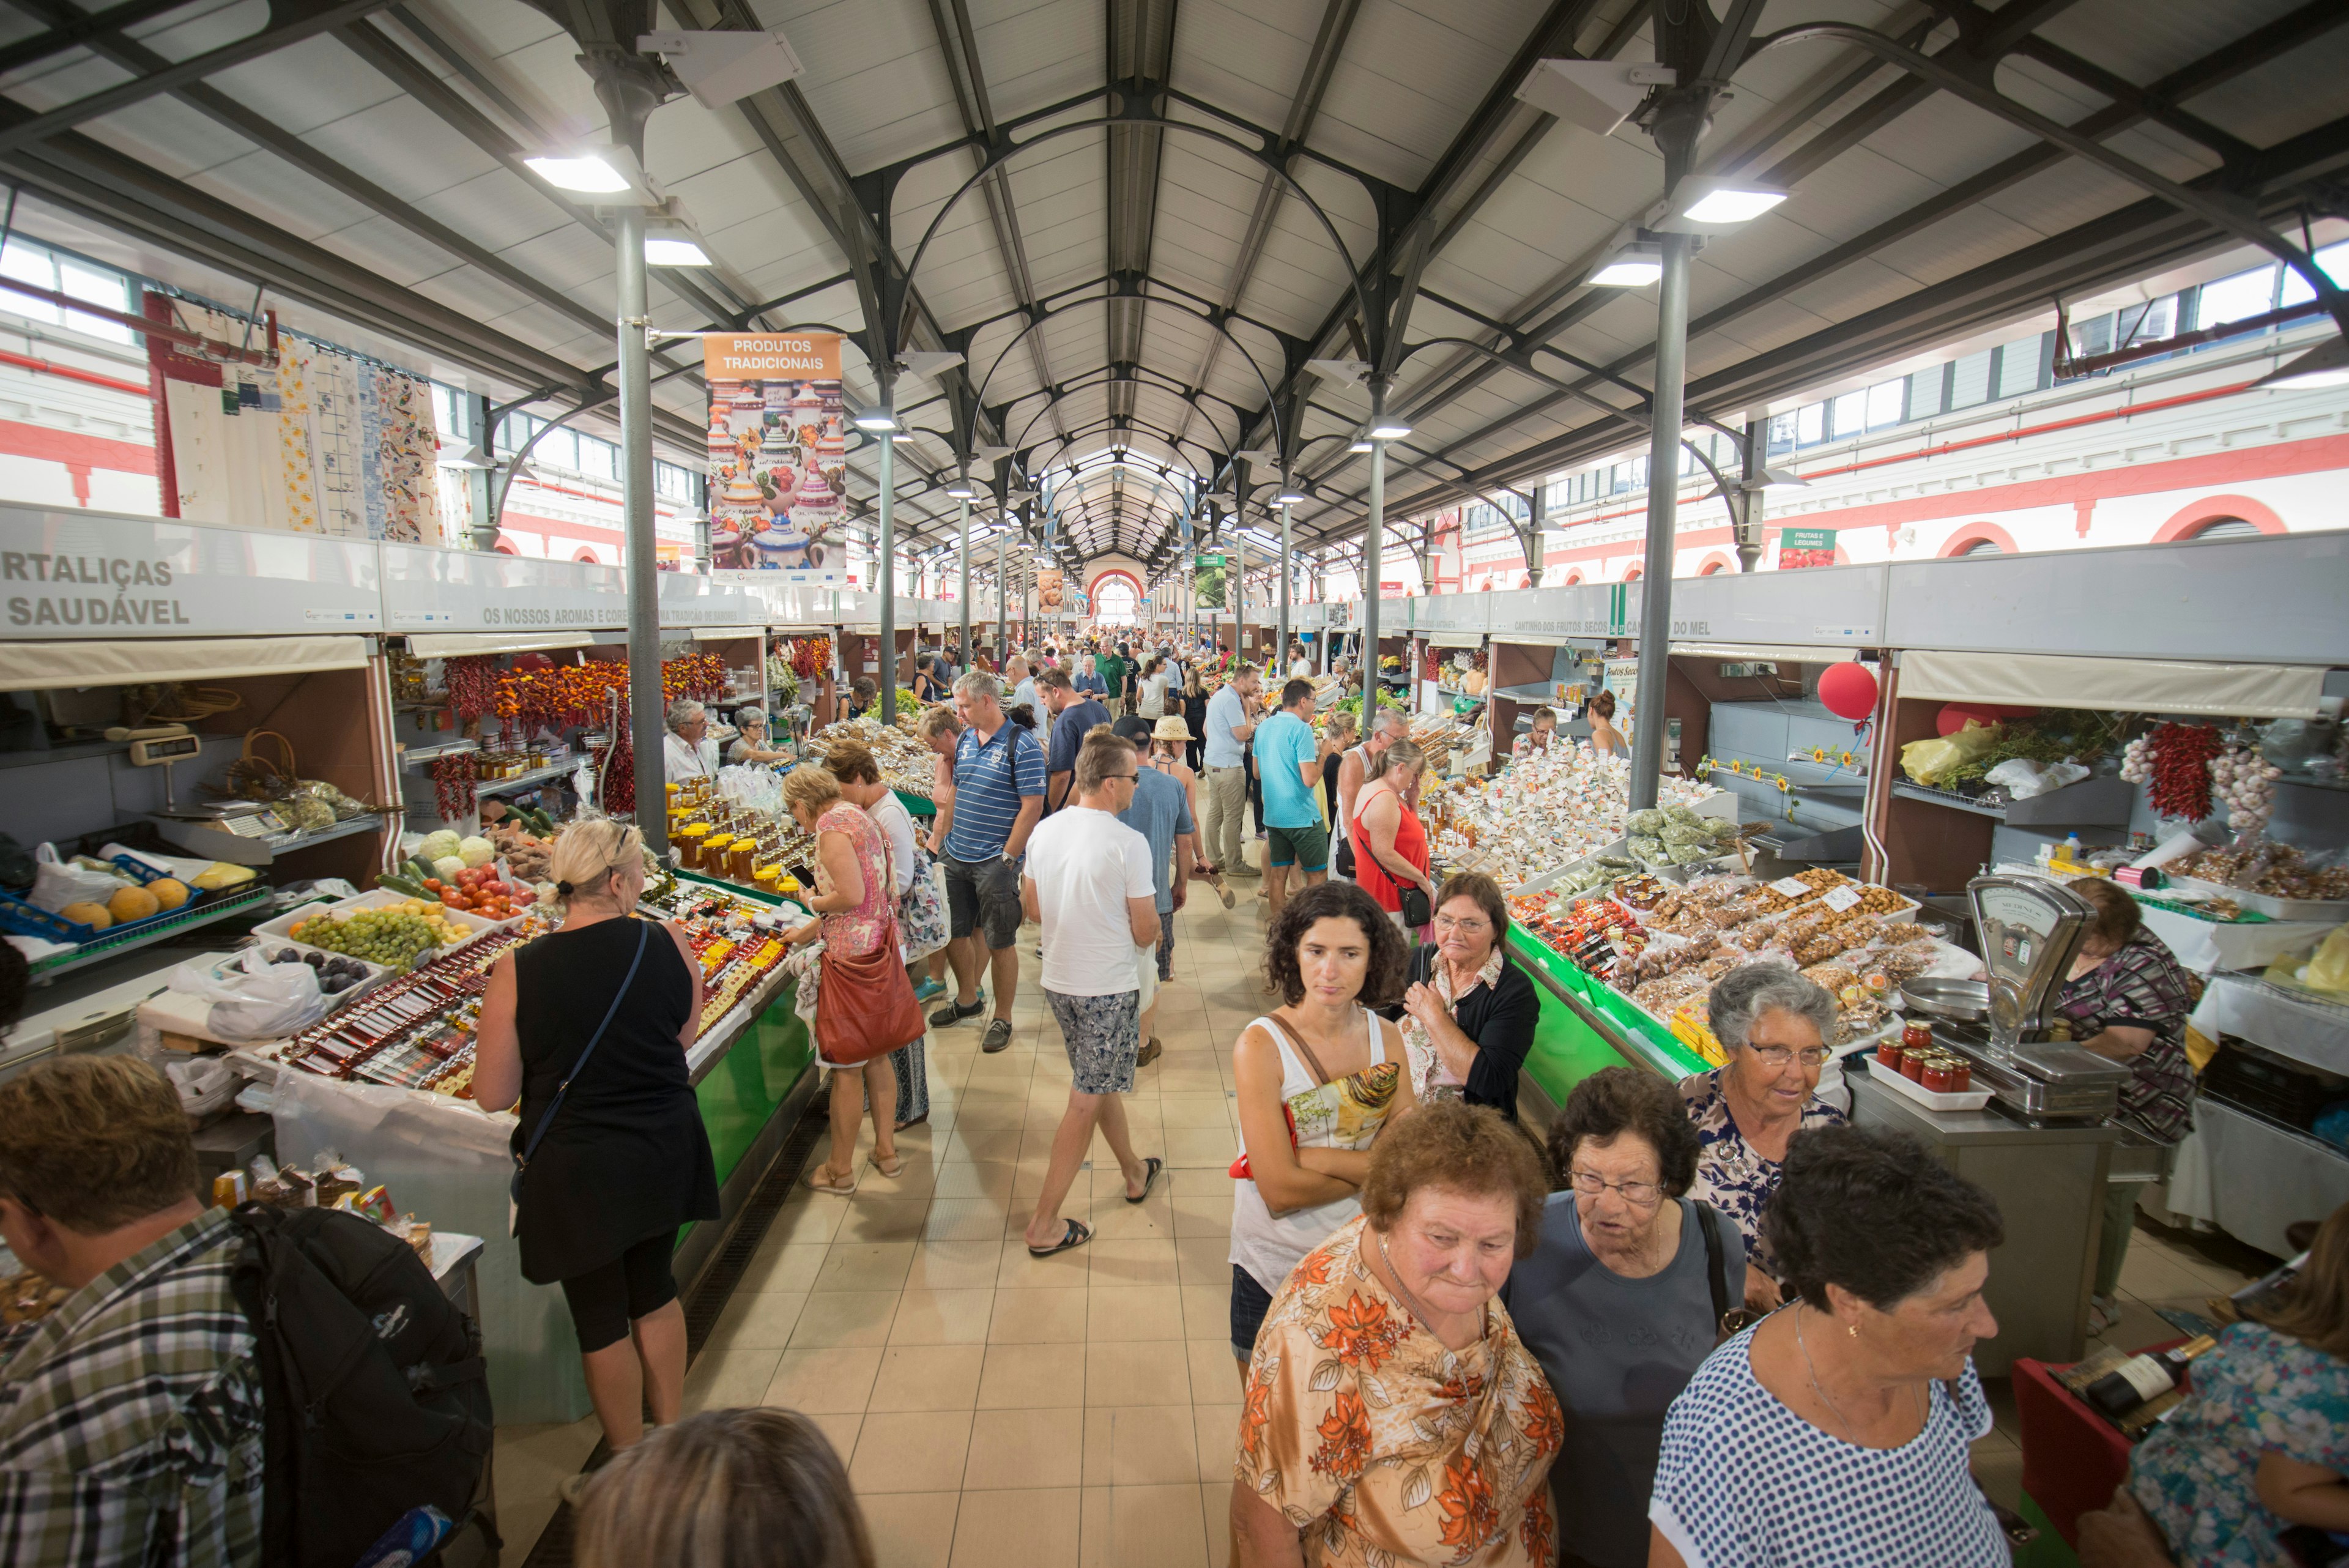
205, 1082
2329, 968
1927, 761
2022, 778
56, 882
252, 1000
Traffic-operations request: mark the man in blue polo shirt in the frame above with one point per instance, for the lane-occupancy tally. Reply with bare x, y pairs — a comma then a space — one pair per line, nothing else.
1290, 758
999, 796
1074, 714
1223, 781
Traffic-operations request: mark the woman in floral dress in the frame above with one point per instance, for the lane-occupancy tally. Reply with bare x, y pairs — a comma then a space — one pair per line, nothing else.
1392, 1415
2260, 1449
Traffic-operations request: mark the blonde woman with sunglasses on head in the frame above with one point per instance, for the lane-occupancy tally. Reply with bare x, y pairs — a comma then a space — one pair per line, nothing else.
587, 1028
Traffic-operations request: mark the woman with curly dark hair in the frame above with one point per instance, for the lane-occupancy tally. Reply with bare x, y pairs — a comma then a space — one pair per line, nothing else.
1317, 1079
1851, 1411
1623, 1302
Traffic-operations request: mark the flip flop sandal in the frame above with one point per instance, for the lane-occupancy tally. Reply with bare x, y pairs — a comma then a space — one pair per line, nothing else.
885, 1170
1151, 1168
1076, 1235
917, 1121
821, 1179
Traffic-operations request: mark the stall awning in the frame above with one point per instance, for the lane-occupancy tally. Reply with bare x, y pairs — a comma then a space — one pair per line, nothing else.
49, 666
1546, 639
726, 633
454, 643
2127, 685
1456, 638
1782, 653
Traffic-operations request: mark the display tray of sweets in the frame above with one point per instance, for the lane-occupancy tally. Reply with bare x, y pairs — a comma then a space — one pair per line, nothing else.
415, 1031
2275, 880
906, 764
739, 940
1597, 936
1541, 815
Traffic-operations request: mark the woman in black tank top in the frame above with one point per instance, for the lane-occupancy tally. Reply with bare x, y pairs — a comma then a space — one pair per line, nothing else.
626, 1161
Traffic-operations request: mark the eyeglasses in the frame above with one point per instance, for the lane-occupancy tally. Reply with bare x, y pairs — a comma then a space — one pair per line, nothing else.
1779, 1056
1475, 924
1638, 1194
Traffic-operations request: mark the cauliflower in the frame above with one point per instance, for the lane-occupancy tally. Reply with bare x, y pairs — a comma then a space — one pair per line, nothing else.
437, 846
447, 868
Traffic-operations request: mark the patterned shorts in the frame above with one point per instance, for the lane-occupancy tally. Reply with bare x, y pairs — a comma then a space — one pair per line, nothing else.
1103, 1035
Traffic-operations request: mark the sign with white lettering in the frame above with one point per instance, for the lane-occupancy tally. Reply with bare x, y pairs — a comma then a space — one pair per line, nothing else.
69, 574
465, 590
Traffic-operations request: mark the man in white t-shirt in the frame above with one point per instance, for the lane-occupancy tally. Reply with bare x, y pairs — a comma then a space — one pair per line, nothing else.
1088, 880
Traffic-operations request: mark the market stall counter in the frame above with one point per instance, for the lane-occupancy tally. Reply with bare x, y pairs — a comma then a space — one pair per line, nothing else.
445, 1158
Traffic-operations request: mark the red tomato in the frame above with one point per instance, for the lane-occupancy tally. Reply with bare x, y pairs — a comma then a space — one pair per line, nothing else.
452, 900
434, 884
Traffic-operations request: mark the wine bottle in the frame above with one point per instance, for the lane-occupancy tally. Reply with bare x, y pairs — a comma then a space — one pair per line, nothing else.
2143, 1378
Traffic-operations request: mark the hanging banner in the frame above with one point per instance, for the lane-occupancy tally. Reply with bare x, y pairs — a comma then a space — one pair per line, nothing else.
1052, 592
778, 451
1209, 581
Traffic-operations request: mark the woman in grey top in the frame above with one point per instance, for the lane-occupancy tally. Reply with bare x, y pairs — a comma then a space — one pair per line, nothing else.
1617, 1304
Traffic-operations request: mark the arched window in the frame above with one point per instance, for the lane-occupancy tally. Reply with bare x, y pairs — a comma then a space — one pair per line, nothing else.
586, 555
504, 548
1632, 575
2226, 528
1116, 603
1983, 547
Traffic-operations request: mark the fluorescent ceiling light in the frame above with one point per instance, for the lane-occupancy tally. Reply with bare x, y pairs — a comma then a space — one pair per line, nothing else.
1714, 204
671, 240
2326, 364
960, 490
1778, 479
1389, 430
718, 68
1633, 265
588, 173
903, 438
876, 419
1361, 443
471, 457
1291, 498
1728, 206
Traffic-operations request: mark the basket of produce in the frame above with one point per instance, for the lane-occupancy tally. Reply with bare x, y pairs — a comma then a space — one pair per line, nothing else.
147, 900
382, 928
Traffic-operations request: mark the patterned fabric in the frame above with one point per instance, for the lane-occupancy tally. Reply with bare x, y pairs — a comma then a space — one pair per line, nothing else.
130, 1423
1745, 1483
1430, 1078
1384, 1447
993, 774
2143, 986
1102, 1036
853, 932
2196, 1472
1731, 1174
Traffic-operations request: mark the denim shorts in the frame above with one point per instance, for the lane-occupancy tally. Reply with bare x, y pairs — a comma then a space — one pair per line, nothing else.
983, 894
1250, 1302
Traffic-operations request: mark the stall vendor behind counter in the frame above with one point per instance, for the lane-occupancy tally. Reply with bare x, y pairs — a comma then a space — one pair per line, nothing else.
687, 751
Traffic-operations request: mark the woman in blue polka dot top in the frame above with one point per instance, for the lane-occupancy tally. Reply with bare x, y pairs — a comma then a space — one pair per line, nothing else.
1849, 1411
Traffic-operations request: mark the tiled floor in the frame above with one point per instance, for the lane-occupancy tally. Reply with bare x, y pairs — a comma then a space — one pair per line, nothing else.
998, 1410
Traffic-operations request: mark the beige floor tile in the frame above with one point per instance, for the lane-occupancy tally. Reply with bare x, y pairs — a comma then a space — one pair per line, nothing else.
762, 1322
922, 1451
967, 1219
1179, 1082
789, 1268
1215, 1504
1140, 1445
1143, 1527
1140, 1371
1115, 1220
883, 1220
1216, 1372
1132, 1263
813, 1218
532, 1461
2155, 1273
836, 1378
942, 1317
969, 1179
1200, 1149
844, 1317
1032, 1378
990, 1112
1216, 1430
839, 1428
1021, 1269
1120, 1313
1010, 1450
927, 1377
866, 1266
969, 1141
1203, 1260
1211, 1111
955, 1265
1038, 1317
1208, 1309
1016, 1530
913, 1528
722, 1379
1199, 1209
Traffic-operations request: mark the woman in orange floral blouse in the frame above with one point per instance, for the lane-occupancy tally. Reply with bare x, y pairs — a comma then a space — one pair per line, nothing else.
1392, 1414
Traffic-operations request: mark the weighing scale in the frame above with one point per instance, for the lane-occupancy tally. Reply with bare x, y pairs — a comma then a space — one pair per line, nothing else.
2029, 931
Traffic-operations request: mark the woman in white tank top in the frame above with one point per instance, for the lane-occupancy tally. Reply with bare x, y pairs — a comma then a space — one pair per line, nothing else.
1316, 1081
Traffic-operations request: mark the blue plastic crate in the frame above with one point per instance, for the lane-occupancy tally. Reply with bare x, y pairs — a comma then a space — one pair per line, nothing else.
28, 920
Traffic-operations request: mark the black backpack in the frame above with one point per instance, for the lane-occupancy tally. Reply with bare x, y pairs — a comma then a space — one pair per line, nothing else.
377, 1400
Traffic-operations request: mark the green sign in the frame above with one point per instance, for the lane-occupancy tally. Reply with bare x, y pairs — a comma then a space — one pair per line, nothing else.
1208, 582
1807, 539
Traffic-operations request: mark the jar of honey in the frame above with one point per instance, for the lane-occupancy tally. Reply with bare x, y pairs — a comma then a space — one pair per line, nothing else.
739, 857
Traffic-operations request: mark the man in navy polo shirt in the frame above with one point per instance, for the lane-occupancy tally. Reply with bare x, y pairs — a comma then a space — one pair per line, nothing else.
1074, 715
999, 796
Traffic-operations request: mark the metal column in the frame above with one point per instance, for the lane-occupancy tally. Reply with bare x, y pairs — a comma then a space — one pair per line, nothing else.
962, 537
1002, 605
1281, 655
1373, 536
645, 726
888, 578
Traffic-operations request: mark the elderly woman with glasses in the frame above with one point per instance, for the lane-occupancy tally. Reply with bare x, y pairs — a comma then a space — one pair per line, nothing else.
1622, 1301
1469, 1015
1775, 1025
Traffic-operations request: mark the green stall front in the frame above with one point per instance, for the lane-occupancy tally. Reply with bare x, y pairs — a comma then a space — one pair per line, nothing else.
1586, 1024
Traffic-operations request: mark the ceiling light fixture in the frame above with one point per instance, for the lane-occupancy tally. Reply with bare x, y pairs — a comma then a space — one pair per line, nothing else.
1632, 265
2326, 364
1289, 497
671, 240
903, 438
471, 457
961, 489
1771, 480
927, 363
876, 419
612, 172
1714, 204
1389, 430
1361, 443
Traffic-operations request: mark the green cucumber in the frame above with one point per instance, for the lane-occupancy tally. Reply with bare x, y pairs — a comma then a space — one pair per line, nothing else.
403, 886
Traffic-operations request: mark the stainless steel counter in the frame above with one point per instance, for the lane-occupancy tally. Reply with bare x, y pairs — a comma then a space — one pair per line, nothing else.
2049, 1182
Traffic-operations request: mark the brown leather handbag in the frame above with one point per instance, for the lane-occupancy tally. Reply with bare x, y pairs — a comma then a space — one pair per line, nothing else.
864, 1007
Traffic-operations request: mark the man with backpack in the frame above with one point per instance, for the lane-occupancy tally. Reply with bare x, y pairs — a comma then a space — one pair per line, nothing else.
132, 1422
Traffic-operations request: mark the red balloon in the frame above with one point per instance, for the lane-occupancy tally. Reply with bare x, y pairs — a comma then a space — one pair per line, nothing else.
1848, 690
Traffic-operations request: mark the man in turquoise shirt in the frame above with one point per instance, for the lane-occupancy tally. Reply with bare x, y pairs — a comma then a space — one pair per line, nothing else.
1290, 758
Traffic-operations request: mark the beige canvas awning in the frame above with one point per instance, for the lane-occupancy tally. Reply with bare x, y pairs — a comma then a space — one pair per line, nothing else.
2121, 685
51, 666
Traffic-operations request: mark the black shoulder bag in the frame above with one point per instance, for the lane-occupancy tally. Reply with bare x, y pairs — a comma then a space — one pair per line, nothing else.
538, 1133
1727, 1321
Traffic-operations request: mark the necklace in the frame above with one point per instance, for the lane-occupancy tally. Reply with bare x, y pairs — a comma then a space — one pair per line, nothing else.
1813, 1370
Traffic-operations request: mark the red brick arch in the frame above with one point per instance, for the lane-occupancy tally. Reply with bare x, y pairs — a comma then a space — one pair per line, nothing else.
2190, 520
1966, 535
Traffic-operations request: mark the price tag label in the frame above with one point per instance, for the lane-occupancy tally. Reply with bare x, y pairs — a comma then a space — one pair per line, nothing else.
1841, 899
1792, 887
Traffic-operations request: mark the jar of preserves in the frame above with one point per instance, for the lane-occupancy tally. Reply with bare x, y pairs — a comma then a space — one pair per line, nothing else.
1889, 1053
1912, 1064
1961, 1075
1939, 1075
1917, 1034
